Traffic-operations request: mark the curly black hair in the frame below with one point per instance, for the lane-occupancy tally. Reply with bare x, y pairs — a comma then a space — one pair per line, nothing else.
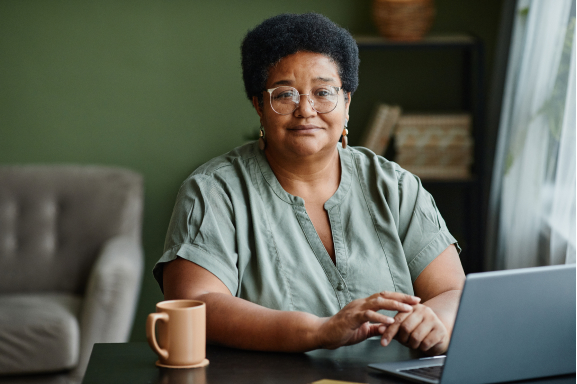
285, 34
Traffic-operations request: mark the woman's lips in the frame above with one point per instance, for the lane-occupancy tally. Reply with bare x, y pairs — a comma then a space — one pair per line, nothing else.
304, 128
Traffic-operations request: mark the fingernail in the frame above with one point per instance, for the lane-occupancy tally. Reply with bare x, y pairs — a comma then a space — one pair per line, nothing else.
407, 307
417, 298
384, 342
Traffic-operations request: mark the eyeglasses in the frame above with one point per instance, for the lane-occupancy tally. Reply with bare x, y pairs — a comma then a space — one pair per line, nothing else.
285, 100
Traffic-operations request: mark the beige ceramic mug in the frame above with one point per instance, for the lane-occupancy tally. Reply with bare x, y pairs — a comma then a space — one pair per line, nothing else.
181, 326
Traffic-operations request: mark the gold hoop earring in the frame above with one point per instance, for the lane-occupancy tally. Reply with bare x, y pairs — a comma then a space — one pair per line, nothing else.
261, 139
345, 140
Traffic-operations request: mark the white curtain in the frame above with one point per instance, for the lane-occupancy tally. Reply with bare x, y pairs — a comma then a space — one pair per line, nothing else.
532, 203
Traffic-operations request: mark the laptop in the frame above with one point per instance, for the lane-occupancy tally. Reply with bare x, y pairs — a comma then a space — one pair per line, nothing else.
511, 325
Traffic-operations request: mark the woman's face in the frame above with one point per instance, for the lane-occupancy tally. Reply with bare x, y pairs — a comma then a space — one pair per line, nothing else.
305, 131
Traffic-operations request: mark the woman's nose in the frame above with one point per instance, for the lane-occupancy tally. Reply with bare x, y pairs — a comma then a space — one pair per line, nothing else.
305, 107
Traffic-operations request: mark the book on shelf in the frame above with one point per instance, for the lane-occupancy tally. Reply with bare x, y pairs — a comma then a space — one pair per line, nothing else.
449, 156
378, 133
433, 137
433, 130
432, 172
435, 146
436, 119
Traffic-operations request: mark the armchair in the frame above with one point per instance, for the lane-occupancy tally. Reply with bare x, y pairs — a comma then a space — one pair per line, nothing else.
70, 265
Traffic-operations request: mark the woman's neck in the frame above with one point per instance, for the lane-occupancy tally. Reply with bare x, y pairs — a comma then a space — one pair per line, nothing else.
307, 176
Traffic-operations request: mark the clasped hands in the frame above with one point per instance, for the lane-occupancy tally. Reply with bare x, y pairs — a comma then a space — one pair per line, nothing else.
415, 325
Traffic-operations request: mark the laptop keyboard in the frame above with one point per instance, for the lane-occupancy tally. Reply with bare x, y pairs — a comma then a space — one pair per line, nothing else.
433, 372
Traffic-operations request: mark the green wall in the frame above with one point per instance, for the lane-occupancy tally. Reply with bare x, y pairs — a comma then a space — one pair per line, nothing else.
143, 84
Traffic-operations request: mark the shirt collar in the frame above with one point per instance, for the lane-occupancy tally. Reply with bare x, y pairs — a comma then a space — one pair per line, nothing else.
346, 160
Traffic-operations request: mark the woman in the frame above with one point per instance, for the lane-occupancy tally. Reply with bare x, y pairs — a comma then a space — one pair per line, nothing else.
297, 243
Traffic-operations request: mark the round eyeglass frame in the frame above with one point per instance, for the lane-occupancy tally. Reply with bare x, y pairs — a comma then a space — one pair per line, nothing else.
271, 90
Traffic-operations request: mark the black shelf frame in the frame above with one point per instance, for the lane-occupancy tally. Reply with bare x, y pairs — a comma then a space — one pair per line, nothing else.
474, 96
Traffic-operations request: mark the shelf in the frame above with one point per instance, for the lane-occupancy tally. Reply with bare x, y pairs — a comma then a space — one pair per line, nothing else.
459, 200
428, 42
471, 181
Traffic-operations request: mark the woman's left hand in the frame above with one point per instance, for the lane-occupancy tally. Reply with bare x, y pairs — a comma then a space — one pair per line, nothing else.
429, 325
420, 329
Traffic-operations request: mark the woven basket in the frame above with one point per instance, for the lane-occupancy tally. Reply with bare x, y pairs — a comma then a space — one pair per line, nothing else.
403, 20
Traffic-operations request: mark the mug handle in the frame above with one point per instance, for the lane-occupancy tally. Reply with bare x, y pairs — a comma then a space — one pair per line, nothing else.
151, 334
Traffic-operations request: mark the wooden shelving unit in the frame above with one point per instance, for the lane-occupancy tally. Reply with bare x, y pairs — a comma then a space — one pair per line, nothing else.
460, 201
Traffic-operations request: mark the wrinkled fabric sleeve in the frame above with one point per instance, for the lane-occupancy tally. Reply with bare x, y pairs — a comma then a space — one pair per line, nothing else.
202, 231
422, 230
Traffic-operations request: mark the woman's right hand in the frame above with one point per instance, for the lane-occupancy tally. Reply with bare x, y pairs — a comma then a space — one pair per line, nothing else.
360, 320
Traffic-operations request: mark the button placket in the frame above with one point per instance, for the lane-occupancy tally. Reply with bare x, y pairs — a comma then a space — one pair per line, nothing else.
331, 271
340, 251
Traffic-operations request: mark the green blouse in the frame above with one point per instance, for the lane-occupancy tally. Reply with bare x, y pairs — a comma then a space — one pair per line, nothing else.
233, 218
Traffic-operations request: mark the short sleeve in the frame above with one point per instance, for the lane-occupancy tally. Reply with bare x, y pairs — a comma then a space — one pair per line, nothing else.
422, 230
202, 231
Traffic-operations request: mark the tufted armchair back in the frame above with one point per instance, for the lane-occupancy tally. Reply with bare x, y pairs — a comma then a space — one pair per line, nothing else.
55, 219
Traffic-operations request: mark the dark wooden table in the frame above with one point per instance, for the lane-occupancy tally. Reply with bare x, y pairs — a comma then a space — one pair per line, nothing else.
129, 363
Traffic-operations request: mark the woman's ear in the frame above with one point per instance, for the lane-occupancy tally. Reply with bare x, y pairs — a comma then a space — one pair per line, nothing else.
257, 106
347, 105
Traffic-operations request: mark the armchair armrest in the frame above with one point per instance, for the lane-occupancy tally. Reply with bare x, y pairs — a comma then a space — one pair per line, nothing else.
111, 296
